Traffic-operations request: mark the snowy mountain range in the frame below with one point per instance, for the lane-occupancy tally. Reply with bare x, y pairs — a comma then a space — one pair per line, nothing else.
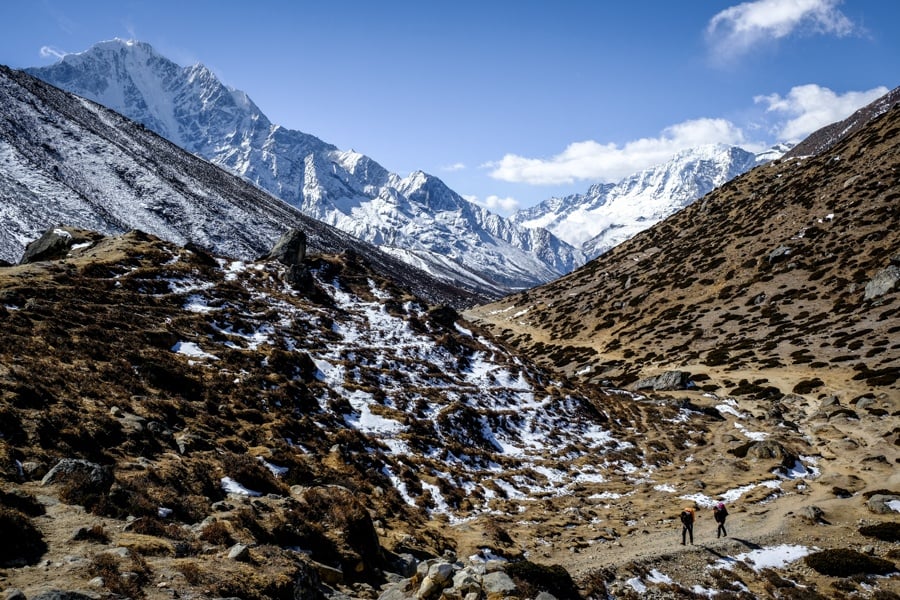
610, 213
65, 160
417, 218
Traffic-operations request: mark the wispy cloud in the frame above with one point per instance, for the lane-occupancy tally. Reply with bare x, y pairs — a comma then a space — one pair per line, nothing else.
496, 203
737, 29
810, 107
593, 161
454, 167
50, 51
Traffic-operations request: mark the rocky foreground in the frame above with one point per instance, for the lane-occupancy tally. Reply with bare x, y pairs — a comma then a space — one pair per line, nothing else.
175, 424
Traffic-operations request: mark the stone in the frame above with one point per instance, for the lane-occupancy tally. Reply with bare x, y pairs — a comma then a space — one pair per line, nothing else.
880, 504
441, 572
290, 249
883, 282
14, 594
813, 513
32, 470
62, 595
778, 254
239, 552
87, 473
498, 583
670, 380
328, 574
545, 596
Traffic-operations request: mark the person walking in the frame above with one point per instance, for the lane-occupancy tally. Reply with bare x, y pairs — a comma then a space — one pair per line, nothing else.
688, 515
719, 514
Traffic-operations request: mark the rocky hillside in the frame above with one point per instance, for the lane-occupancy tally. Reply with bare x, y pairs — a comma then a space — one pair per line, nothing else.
784, 278
826, 137
179, 425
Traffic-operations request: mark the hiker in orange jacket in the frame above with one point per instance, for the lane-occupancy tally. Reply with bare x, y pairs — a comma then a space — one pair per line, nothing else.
688, 515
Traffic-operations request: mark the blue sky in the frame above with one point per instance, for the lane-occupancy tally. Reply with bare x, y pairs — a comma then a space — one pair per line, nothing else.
509, 102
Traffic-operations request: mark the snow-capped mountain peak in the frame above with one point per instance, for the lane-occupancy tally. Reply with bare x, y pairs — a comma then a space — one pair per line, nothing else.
416, 217
608, 214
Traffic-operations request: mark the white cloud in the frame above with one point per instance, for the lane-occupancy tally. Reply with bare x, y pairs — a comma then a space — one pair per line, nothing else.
810, 107
454, 167
507, 205
590, 160
50, 51
737, 29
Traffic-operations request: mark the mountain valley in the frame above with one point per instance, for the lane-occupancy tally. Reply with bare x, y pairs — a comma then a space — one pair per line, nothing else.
206, 394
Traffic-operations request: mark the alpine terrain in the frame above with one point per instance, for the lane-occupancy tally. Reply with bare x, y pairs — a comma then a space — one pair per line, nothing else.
184, 418
610, 213
417, 218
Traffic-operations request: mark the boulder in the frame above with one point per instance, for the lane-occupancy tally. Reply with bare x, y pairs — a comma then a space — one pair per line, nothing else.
883, 282
884, 504
290, 249
498, 584
85, 472
56, 243
670, 380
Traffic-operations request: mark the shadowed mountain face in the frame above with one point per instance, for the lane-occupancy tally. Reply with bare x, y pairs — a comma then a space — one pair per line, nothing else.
784, 275
66, 160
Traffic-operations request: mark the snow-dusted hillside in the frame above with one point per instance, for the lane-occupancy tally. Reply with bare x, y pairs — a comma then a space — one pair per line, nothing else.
66, 160
609, 214
416, 218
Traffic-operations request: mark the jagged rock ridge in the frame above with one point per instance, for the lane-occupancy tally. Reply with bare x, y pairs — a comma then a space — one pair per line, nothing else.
417, 218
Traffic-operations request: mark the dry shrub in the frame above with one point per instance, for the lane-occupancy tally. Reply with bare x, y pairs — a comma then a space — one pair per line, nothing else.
127, 583
886, 532
94, 533
251, 473
256, 586
217, 533
145, 545
23, 502
192, 572
159, 528
23, 542
843, 562
533, 578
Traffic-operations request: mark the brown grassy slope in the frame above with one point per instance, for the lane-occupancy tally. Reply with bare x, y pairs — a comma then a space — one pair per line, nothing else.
764, 278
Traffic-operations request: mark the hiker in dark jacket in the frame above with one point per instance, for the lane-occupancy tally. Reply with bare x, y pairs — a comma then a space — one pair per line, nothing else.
687, 524
719, 514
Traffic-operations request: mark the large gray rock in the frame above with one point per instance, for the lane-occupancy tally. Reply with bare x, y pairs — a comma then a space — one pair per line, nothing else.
290, 249
81, 471
498, 583
670, 380
56, 243
883, 282
878, 504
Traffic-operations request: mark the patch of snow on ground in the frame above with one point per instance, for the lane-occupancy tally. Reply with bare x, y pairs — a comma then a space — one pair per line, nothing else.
193, 350
637, 585
772, 557
657, 577
730, 409
731, 495
665, 487
230, 486
894, 505
274, 469
800, 470
756, 436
